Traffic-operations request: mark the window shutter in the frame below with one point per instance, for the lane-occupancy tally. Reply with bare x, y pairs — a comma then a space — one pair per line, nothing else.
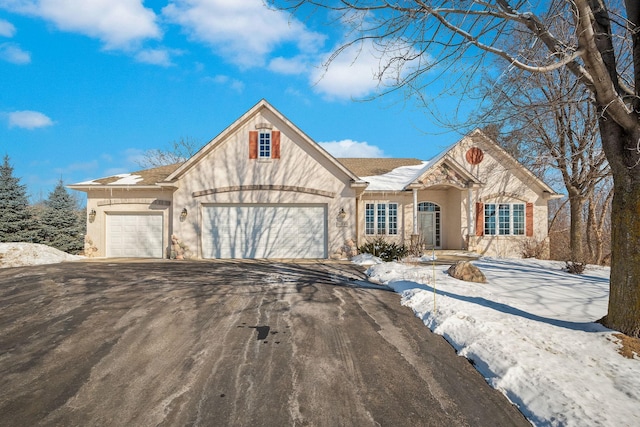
529, 219
275, 144
479, 219
253, 144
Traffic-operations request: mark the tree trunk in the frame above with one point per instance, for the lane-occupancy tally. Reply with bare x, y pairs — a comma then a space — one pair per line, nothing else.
576, 205
624, 298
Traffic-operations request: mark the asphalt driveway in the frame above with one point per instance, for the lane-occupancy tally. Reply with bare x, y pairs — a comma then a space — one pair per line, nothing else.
222, 343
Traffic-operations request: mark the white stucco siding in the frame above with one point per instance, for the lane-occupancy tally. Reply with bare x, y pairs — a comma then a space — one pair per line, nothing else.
504, 181
301, 176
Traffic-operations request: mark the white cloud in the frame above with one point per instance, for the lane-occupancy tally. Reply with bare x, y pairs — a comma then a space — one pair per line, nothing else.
349, 148
12, 52
360, 69
155, 56
119, 24
7, 29
227, 81
28, 120
349, 75
244, 32
297, 65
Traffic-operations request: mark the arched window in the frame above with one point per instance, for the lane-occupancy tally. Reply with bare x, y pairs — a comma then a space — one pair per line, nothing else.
429, 223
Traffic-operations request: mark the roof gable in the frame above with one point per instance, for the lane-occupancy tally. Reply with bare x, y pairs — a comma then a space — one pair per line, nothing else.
257, 109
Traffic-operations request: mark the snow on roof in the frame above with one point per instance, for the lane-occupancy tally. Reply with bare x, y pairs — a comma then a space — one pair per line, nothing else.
397, 179
126, 179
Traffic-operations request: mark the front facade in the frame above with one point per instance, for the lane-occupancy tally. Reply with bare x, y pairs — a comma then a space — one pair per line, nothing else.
263, 189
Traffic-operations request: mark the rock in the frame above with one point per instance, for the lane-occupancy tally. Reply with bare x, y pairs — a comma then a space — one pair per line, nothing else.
464, 270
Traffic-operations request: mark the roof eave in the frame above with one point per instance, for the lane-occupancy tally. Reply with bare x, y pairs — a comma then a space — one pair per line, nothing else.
111, 187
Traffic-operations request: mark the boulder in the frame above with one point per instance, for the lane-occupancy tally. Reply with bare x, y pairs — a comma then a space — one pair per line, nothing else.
464, 270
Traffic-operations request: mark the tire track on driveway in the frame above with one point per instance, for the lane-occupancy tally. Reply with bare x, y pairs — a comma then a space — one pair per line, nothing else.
217, 343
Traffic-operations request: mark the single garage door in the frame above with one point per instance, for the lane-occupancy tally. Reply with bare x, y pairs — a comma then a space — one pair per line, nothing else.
264, 231
134, 236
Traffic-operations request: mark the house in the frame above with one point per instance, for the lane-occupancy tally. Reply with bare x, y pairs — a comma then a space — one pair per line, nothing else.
264, 189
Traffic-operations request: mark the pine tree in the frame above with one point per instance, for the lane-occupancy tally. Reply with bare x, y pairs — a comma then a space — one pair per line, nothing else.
62, 227
17, 222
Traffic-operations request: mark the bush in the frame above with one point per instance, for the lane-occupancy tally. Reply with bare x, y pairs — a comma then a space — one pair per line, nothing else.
386, 251
574, 267
531, 248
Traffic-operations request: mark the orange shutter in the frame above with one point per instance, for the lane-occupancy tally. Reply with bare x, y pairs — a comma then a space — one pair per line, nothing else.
529, 219
275, 144
253, 144
479, 219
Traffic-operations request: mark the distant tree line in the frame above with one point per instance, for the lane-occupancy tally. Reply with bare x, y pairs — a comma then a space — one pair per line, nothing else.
57, 221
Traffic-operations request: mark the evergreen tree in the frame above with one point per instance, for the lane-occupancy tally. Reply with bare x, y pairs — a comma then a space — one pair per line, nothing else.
62, 227
17, 222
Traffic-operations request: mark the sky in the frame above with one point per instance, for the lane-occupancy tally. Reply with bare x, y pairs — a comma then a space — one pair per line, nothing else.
88, 86
531, 332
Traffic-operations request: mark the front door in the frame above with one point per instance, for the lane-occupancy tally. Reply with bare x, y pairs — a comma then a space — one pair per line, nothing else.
427, 228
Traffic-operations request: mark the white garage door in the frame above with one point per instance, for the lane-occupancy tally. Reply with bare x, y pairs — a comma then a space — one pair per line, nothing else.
134, 236
250, 231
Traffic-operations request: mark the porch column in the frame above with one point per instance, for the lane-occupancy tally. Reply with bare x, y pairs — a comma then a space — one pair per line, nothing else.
415, 211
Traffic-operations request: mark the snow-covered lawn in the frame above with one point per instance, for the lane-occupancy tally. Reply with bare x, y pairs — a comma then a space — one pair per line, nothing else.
530, 331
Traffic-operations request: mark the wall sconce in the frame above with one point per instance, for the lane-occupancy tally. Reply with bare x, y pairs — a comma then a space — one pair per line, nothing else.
92, 215
342, 215
183, 214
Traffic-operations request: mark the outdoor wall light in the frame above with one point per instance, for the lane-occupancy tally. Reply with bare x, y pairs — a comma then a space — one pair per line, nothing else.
92, 215
342, 214
183, 214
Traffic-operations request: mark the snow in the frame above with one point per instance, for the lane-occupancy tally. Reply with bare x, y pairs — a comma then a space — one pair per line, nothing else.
530, 332
366, 259
126, 179
21, 254
397, 179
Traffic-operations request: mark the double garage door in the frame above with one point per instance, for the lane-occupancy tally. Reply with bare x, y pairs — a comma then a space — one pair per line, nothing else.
264, 231
134, 236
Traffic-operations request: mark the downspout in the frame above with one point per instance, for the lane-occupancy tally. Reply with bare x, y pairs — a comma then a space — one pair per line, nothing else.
470, 221
415, 211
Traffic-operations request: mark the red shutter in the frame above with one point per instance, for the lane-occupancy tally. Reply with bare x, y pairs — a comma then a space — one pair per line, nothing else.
479, 219
275, 144
253, 144
529, 219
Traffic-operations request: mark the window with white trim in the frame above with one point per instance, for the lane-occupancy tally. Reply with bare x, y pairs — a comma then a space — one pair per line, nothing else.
381, 218
504, 219
264, 145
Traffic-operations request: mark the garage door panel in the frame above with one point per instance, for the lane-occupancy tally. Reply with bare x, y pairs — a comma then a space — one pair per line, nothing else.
134, 236
242, 231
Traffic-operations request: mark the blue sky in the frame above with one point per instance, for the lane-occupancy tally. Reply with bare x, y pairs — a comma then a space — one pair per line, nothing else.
89, 85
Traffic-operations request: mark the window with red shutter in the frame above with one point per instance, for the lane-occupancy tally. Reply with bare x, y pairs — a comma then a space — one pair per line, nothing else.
253, 144
529, 219
275, 144
479, 219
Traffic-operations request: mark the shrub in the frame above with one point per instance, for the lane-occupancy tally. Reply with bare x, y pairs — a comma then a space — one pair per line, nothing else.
574, 267
531, 248
386, 251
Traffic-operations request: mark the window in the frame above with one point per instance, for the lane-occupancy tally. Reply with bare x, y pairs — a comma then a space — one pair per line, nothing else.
381, 218
264, 145
504, 219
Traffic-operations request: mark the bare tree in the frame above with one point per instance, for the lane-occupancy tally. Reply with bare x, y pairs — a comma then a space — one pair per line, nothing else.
553, 127
599, 223
416, 36
178, 152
